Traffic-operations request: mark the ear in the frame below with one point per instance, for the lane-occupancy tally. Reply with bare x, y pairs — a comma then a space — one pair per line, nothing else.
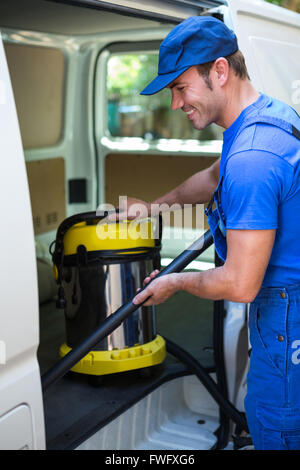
221, 68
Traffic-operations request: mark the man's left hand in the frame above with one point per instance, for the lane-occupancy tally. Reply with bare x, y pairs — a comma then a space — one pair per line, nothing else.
159, 290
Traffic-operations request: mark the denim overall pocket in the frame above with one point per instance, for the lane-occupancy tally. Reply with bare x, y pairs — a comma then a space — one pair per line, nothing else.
273, 403
279, 427
268, 336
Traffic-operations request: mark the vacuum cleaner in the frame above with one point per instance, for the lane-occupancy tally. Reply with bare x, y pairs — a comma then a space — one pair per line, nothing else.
98, 267
114, 320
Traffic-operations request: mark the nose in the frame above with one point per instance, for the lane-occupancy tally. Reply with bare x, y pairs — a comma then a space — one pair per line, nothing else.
177, 101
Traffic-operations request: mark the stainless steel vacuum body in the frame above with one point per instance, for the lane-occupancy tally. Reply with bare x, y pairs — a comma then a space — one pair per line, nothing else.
100, 268
95, 291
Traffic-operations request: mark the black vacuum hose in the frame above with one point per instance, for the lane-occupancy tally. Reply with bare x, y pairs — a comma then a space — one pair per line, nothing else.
196, 368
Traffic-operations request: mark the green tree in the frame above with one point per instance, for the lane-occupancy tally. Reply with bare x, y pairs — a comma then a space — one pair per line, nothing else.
129, 74
275, 2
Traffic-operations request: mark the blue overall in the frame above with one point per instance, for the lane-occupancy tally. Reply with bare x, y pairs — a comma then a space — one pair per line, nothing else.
272, 403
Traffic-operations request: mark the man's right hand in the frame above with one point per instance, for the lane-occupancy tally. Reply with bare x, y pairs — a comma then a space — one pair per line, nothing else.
130, 209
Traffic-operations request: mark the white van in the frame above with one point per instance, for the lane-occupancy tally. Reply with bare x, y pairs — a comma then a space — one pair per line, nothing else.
75, 134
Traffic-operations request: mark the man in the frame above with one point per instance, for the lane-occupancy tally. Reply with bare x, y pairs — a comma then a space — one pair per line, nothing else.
257, 219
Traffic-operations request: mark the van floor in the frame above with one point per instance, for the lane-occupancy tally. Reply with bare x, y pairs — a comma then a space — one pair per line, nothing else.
77, 406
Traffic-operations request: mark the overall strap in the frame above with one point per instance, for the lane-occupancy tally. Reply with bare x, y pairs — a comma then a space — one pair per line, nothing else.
212, 199
274, 121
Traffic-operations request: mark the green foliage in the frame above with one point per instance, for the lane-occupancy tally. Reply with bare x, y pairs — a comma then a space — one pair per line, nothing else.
129, 74
275, 2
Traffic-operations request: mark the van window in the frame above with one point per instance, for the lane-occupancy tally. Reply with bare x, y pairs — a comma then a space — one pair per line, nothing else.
150, 117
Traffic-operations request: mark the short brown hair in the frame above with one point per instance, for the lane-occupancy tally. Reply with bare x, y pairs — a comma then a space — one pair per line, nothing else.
236, 61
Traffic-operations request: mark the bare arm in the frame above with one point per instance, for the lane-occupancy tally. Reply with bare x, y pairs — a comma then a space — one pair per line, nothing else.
241, 276
238, 280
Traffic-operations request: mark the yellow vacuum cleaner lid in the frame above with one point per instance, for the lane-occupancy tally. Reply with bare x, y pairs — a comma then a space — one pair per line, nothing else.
126, 234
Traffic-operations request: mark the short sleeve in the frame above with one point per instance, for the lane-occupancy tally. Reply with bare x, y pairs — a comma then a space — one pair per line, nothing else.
254, 185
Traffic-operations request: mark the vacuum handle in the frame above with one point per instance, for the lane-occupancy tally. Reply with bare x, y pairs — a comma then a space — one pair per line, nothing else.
114, 320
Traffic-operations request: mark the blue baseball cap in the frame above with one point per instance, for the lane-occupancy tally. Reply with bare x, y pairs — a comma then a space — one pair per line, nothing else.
197, 40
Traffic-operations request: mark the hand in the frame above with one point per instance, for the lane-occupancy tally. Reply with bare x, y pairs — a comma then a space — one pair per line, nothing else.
130, 209
159, 290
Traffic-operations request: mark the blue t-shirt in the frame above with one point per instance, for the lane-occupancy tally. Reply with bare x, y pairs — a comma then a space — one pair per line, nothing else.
261, 185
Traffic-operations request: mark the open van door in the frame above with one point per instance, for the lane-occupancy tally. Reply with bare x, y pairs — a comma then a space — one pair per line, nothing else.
269, 39
21, 407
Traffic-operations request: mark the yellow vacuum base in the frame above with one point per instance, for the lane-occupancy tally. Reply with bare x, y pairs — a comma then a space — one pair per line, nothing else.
120, 360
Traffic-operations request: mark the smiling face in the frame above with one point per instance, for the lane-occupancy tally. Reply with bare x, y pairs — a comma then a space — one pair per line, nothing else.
191, 93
